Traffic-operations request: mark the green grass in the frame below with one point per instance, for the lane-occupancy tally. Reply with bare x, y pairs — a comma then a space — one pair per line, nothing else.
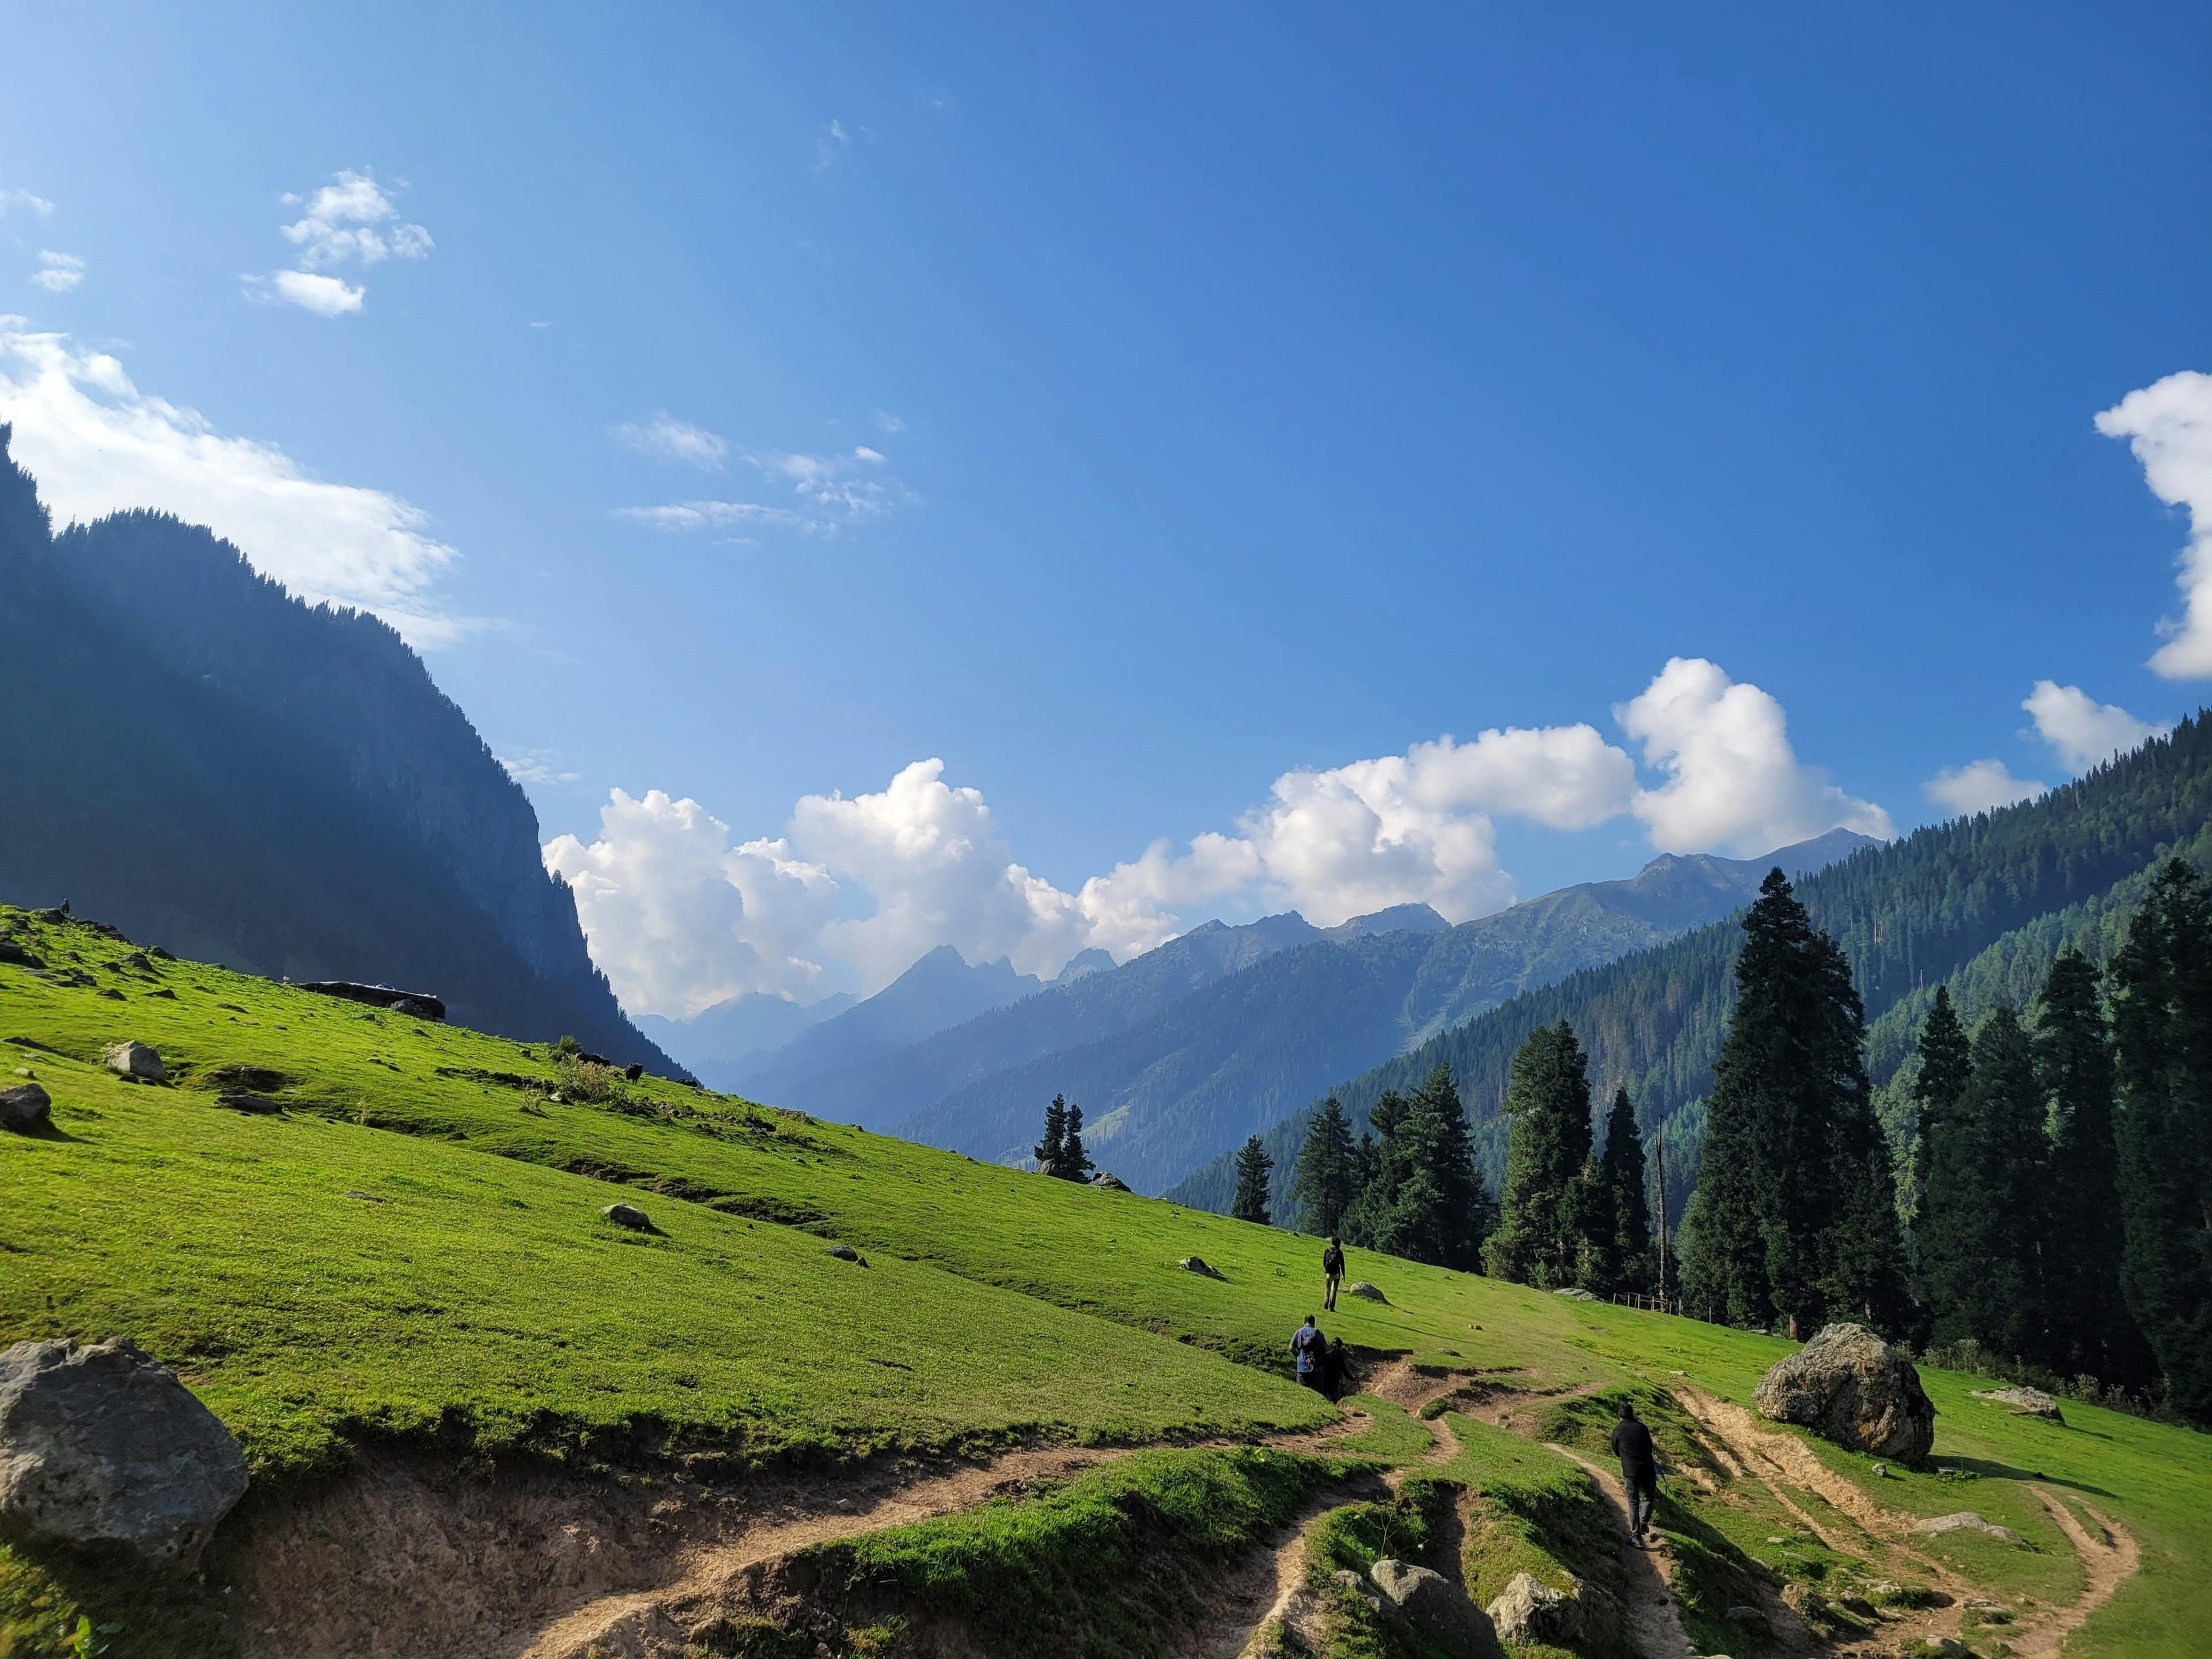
483, 1305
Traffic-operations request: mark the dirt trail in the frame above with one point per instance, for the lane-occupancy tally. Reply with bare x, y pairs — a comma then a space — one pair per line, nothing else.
1654, 1621
2108, 1562
628, 1624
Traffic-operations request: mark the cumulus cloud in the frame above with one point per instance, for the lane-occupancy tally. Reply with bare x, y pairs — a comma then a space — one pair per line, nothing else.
923, 862
832, 494
2081, 731
664, 438
57, 273
678, 919
1981, 786
351, 220
98, 445
1733, 780
2168, 426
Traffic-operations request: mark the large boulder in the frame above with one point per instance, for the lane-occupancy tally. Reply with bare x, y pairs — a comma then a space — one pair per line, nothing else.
100, 1444
1530, 1610
1853, 1387
24, 1107
1436, 1607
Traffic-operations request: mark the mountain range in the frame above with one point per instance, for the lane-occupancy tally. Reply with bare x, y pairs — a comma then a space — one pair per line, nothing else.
1981, 903
195, 756
1181, 1052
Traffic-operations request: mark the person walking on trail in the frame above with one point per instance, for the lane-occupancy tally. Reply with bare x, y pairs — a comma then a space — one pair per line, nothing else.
1332, 1274
1307, 1347
1639, 1469
1332, 1369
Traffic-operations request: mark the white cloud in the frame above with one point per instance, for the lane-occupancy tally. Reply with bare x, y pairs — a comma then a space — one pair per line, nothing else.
833, 144
535, 766
2081, 731
354, 218
678, 919
327, 297
57, 273
923, 863
1981, 786
831, 496
2168, 425
664, 438
887, 423
23, 199
98, 445
1733, 779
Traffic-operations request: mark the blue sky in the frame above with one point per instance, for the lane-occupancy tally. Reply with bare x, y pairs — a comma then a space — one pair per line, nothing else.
1247, 392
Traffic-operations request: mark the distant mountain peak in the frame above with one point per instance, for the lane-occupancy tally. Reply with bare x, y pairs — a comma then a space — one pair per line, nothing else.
1398, 919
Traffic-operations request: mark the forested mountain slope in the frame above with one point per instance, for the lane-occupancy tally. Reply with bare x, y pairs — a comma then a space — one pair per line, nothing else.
1908, 915
1164, 1093
194, 754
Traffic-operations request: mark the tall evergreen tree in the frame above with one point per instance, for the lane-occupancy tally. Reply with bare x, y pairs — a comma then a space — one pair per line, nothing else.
2162, 1048
1981, 1226
1327, 1178
1424, 1199
1944, 1068
1049, 1150
1539, 1239
1254, 1167
1620, 1229
1794, 1212
1075, 1163
2091, 1330
1384, 1169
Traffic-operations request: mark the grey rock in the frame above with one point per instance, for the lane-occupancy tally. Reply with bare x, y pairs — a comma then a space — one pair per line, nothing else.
1196, 1264
1436, 1607
1365, 1291
135, 1060
25, 1107
1575, 1293
239, 1099
1751, 1620
1109, 1183
629, 1216
847, 1253
1530, 1610
16, 956
1964, 1521
1853, 1387
2025, 1402
1353, 1584
100, 1444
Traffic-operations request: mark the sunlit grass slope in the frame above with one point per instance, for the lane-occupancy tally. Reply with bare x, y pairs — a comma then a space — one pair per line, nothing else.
413, 1246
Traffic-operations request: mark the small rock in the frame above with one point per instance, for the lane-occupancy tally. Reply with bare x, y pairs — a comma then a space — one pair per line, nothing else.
1353, 1584
135, 1060
1853, 1387
111, 994
137, 960
1574, 1294
238, 1100
100, 1444
16, 956
847, 1253
1365, 1291
2025, 1402
1196, 1264
1882, 1471
1530, 1610
1109, 1183
366, 1197
629, 1216
161, 955
25, 1107
1438, 1608
1966, 1521
1751, 1620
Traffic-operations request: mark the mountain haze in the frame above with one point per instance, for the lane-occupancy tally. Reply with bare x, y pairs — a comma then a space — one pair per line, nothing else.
195, 756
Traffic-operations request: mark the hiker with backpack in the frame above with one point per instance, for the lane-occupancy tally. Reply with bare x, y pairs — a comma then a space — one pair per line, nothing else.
1308, 1349
1333, 1366
1332, 1274
1639, 1469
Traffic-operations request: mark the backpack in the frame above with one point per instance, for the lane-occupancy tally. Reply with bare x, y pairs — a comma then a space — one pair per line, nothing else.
1331, 1260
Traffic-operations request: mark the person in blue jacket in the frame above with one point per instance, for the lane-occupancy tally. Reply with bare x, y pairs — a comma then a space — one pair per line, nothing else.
1306, 1348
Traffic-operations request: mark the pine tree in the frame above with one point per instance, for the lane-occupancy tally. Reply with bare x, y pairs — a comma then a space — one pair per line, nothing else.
1075, 1163
1793, 1213
1052, 1147
1443, 1212
1621, 1226
1982, 1224
2162, 1048
1327, 1175
1944, 1069
2091, 1329
1539, 1239
1254, 1167
1384, 1169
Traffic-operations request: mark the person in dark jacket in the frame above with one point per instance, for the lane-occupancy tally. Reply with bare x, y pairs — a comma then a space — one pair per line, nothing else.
1332, 1369
1307, 1345
1332, 1274
1639, 1469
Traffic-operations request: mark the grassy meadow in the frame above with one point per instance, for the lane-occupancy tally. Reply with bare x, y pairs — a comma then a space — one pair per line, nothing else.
410, 1247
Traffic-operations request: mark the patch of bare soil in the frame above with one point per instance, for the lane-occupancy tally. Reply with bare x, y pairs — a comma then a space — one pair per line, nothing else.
1648, 1609
2109, 1557
1268, 1590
